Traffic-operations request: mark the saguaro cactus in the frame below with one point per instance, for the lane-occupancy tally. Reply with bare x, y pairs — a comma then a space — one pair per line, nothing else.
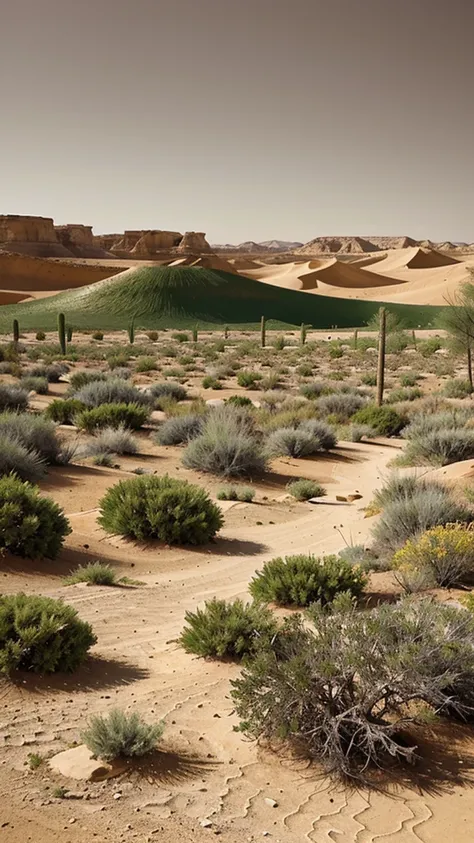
131, 332
381, 359
262, 331
16, 330
302, 334
62, 332
195, 333
69, 333
356, 338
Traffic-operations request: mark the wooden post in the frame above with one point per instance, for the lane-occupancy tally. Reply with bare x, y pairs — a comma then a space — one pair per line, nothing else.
356, 337
381, 358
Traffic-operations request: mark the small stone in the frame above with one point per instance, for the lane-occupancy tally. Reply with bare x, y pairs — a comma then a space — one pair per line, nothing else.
117, 795
72, 820
205, 823
271, 802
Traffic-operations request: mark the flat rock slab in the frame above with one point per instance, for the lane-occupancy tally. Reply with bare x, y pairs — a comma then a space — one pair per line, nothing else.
79, 763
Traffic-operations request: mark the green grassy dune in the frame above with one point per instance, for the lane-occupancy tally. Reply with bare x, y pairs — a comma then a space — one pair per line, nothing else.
180, 297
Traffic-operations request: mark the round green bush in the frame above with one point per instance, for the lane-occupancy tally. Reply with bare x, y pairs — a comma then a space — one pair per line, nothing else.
41, 635
63, 412
132, 416
385, 420
305, 579
304, 490
227, 630
148, 507
30, 525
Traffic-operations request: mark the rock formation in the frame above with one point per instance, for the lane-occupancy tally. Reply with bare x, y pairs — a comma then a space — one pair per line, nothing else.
79, 240
155, 241
151, 243
194, 241
31, 236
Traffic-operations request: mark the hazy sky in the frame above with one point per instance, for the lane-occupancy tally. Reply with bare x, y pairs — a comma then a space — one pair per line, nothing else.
247, 119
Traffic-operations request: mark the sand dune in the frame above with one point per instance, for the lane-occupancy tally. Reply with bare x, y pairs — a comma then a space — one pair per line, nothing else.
11, 297
207, 261
404, 276
26, 273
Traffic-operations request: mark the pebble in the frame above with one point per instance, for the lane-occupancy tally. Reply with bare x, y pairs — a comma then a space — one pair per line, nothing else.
117, 795
205, 823
271, 802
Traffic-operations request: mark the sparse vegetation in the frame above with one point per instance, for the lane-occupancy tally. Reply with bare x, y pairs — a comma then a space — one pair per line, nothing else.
305, 579
304, 490
30, 525
121, 735
227, 630
131, 416
227, 445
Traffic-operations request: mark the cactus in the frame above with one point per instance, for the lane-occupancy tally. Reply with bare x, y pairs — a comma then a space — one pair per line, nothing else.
414, 337
356, 338
226, 332
16, 330
262, 331
62, 332
381, 359
131, 332
195, 333
69, 333
303, 334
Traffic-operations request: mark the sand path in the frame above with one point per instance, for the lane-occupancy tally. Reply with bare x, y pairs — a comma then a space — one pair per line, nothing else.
215, 773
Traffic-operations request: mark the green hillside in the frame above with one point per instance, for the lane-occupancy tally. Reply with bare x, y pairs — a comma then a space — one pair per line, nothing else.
180, 297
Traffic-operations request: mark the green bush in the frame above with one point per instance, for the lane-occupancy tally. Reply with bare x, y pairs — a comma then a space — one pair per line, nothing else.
409, 393
94, 573
429, 346
112, 391
113, 440
409, 379
227, 630
346, 688
38, 385
227, 445
79, 379
311, 437
439, 447
13, 397
313, 390
180, 337
41, 635
30, 525
179, 429
132, 416
341, 404
168, 389
63, 412
15, 458
248, 379
244, 494
240, 401
152, 335
385, 420
457, 388
35, 433
211, 383
145, 364
304, 490
40, 336
52, 372
305, 579
369, 379
121, 735
149, 507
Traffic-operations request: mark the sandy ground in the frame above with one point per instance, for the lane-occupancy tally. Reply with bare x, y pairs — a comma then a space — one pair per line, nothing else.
205, 770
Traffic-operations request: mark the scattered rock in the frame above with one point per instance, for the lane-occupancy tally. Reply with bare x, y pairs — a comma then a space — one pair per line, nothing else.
271, 802
79, 763
205, 823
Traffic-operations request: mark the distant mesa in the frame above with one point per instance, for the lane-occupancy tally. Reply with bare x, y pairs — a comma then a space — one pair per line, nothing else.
147, 244
79, 241
31, 236
354, 245
250, 246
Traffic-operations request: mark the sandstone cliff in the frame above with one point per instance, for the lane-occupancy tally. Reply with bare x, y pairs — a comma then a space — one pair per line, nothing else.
194, 241
31, 236
79, 240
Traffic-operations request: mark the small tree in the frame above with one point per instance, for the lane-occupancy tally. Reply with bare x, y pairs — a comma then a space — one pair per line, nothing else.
458, 321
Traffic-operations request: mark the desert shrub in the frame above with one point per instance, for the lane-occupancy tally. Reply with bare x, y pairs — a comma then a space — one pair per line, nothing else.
248, 379
428, 347
152, 335
279, 343
385, 420
304, 370
397, 342
346, 689
444, 555
79, 379
303, 490
408, 379
13, 397
335, 351
121, 735
15, 458
211, 383
457, 388
273, 400
226, 630
149, 507
240, 401
439, 447
407, 517
311, 437
132, 416
145, 363
227, 445
168, 389
10, 369
117, 360
38, 385
369, 379
304, 579
408, 393
313, 390
36, 433
111, 391
343, 405
179, 429
236, 493
403, 486
51, 372
113, 440
180, 337
40, 336
41, 635
356, 432
94, 573
271, 381
30, 525
103, 458
63, 412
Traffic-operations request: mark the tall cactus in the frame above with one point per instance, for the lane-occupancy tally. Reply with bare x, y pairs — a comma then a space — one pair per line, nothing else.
69, 330
302, 334
356, 339
262, 331
381, 358
16, 330
62, 332
414, 338
195, 333
226, 332
131, 332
